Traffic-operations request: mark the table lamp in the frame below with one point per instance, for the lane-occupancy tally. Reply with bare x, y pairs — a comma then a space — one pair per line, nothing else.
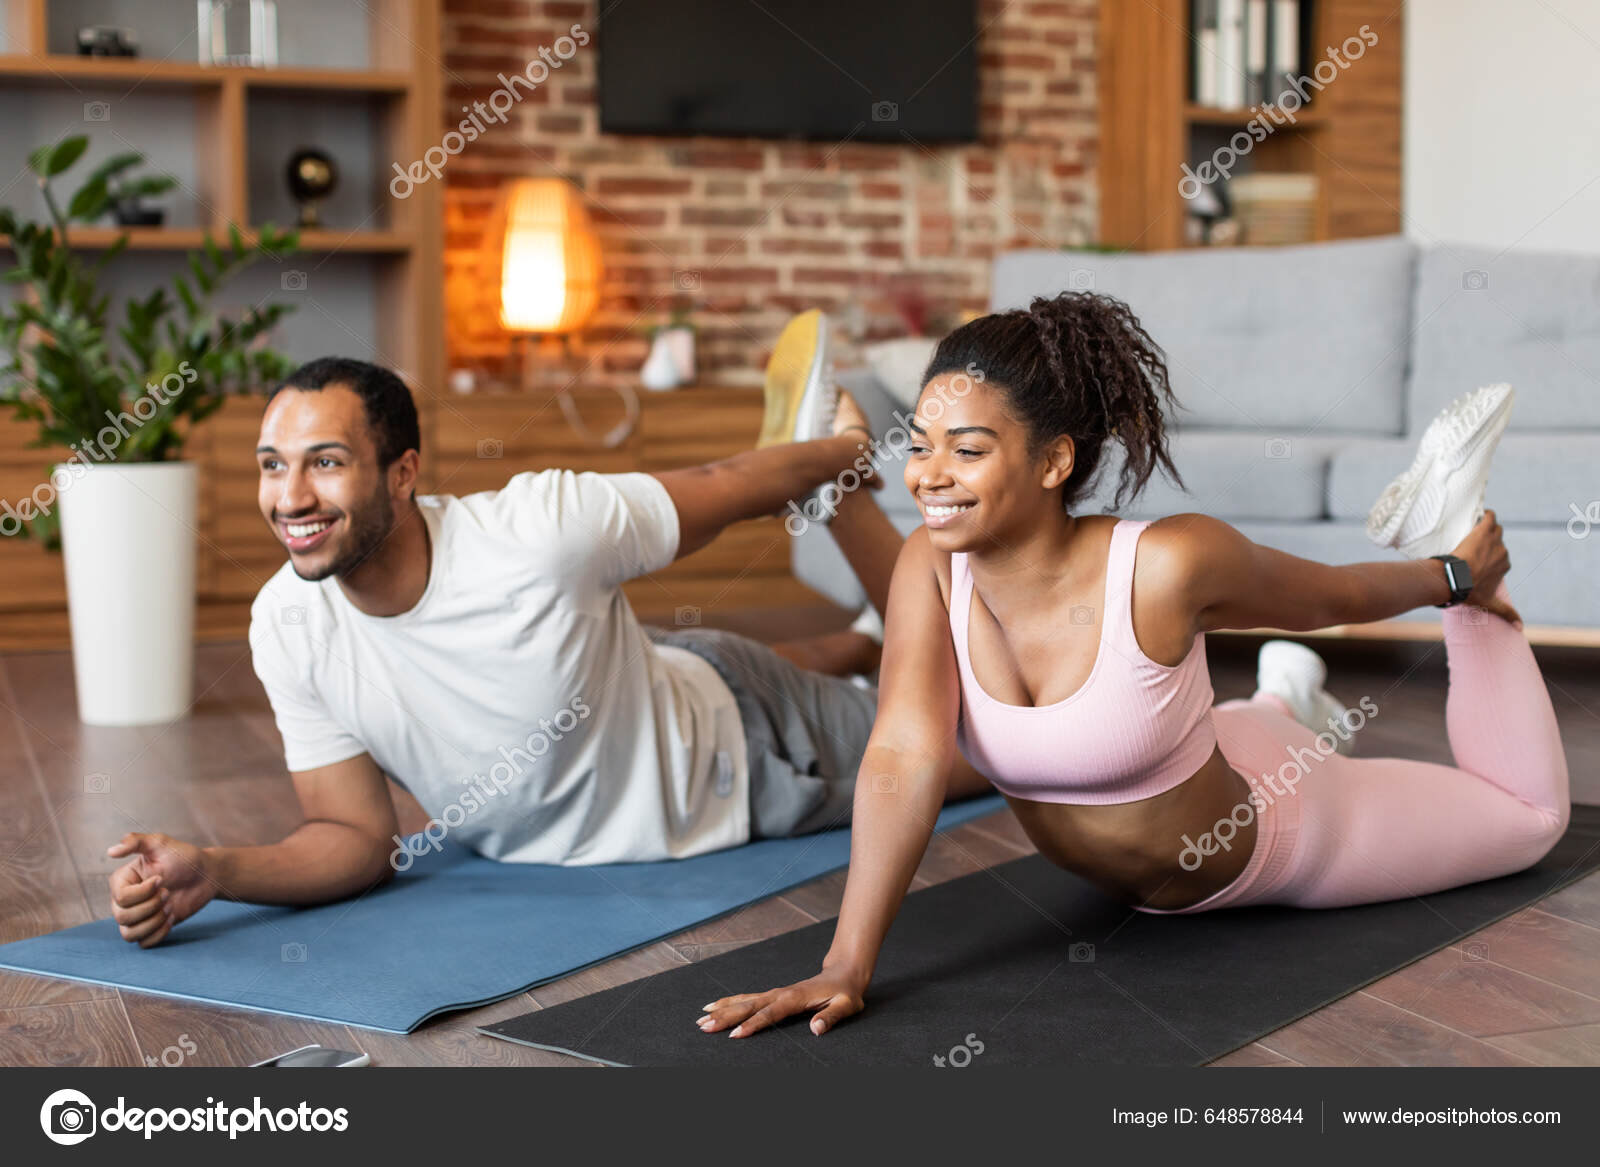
545, 259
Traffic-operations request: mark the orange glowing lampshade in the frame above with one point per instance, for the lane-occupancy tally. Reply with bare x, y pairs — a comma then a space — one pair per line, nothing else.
547, 257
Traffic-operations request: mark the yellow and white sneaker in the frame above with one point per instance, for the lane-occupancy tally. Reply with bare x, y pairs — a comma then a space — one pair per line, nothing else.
801, 394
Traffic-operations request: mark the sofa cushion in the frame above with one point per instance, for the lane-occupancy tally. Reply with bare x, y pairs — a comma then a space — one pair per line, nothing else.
1237, 475
1530, 318
1313, 337
1536, 478
898, 365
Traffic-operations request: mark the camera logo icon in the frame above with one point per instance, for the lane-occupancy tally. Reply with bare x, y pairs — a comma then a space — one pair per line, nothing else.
294, 953
686, 281
97, 111
1278, 449
1081, 614
1082, 952
293, 614
885, 111
1474, 280
1080, 279
686, 616
293, 281
491, 448
97, 783
68, 1117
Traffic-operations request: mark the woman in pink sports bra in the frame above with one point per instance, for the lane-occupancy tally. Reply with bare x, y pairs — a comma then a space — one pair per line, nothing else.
1064, 653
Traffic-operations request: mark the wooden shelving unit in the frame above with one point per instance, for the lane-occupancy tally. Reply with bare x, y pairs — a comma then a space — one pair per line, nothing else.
48, 69
398, 250
189, 238
1349, 135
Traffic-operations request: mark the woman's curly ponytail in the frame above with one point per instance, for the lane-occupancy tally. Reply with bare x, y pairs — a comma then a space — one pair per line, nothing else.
1078, 364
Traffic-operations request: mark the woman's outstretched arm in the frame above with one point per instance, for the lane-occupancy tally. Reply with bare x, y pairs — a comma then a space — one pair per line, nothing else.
900, 788
1232, 582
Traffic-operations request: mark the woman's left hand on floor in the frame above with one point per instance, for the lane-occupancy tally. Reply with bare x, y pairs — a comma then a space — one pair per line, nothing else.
836, 995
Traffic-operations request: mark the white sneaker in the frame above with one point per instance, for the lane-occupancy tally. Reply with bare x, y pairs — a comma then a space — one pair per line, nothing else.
801, 394
1296, 676
1430, 508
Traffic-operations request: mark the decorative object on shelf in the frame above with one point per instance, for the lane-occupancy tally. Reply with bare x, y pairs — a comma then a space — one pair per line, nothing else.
1225, 233
542, 254
671, 360
125, 193
133, 213
237, 32
312, 177
659, 372
1275, 208
1205, 208
122, 396
107, 40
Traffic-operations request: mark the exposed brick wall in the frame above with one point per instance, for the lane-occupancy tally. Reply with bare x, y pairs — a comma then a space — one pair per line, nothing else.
761, 229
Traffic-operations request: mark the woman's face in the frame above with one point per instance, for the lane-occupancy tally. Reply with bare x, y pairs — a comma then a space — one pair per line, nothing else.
969, 468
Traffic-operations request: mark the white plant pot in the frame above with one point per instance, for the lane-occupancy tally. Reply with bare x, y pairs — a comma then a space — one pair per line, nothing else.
128, 539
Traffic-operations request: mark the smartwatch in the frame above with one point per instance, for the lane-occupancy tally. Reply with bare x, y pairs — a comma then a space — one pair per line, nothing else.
1459, 577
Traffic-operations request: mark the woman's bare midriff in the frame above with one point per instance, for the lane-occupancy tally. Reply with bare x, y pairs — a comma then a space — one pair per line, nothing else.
1131, 849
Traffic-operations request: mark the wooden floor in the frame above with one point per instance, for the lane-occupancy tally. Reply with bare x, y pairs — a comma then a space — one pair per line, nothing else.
1525, 991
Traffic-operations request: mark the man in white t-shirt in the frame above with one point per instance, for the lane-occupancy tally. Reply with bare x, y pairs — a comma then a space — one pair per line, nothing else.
480, 652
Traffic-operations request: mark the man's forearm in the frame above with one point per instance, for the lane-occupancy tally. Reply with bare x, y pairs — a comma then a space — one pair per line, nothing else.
317, 864
754, 484
771, 477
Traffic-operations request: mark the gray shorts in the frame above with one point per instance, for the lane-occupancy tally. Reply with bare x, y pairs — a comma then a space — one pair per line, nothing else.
805, 732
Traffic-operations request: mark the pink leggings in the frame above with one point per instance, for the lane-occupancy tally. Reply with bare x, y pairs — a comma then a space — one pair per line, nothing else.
1361, 830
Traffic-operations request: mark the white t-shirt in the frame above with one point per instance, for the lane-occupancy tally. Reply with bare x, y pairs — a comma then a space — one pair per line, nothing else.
520, 701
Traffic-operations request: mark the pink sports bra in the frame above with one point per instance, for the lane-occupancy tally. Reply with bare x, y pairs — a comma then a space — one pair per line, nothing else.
1134, 729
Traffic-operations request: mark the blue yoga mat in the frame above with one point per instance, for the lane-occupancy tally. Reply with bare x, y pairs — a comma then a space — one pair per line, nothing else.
454, 931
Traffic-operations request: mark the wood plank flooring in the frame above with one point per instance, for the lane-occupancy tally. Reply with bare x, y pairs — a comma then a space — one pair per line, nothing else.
1525, 991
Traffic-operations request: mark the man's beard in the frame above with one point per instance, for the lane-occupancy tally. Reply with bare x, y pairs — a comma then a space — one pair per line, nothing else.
369, 527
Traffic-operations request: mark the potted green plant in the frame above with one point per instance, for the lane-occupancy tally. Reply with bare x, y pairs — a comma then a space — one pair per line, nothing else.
122, 396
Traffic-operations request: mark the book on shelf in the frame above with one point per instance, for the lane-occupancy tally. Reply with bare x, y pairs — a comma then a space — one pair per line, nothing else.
1284, 67
1204, 42
1255, 55
1244, 53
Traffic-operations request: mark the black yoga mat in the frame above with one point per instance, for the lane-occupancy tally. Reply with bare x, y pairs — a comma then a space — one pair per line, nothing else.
1028, 965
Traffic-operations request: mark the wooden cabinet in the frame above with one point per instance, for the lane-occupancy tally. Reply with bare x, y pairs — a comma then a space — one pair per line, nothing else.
1349, 135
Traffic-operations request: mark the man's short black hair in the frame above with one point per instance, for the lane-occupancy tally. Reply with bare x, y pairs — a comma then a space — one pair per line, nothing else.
390, 411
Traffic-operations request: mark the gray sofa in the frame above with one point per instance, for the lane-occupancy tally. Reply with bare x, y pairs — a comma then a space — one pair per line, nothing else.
1306, 374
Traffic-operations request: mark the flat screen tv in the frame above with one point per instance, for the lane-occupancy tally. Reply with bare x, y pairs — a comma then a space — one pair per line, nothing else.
823, 70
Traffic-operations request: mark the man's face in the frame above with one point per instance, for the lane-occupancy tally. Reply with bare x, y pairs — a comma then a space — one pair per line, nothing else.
321, 488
